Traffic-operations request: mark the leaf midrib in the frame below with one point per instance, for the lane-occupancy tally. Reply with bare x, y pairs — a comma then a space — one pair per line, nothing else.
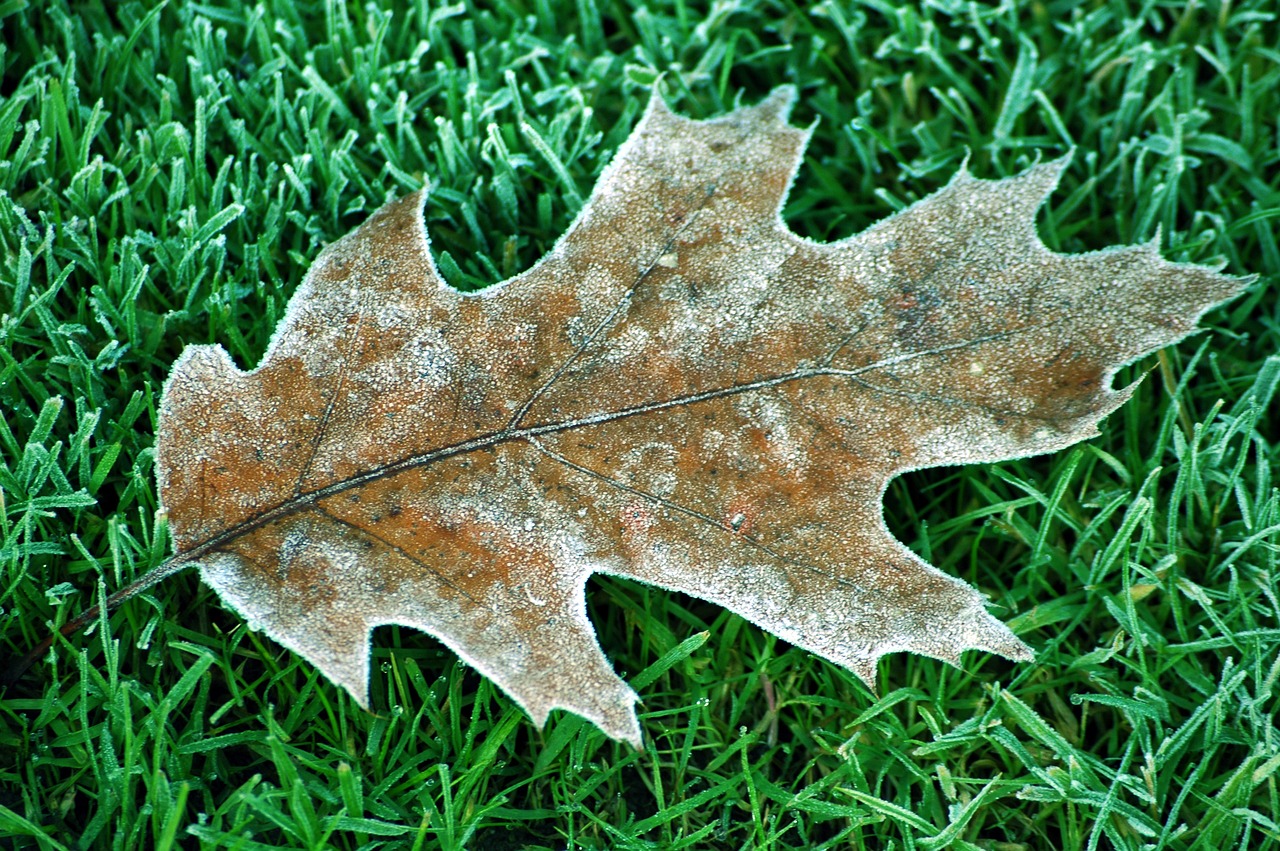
529, 434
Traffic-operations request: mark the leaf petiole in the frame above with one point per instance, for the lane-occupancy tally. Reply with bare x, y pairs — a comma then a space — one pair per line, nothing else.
15, 669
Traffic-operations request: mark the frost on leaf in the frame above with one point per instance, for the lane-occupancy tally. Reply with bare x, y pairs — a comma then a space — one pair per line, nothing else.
682, 392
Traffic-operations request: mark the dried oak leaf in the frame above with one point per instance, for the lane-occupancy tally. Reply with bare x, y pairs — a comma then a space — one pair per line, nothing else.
682, 392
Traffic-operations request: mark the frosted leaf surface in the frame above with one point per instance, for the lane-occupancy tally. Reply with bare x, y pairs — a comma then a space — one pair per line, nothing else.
682, 392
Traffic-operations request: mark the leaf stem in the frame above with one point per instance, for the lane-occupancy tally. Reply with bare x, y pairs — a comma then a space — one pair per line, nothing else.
15, 669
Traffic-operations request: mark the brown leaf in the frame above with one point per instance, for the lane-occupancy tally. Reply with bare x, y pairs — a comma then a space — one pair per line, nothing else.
682, 392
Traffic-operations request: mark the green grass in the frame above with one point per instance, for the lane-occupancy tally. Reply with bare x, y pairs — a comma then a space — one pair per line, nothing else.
166, 175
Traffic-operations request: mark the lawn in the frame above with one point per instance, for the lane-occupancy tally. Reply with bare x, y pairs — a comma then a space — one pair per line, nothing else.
167, 173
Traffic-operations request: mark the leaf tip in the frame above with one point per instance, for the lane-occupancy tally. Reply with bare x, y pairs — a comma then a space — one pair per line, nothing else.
612, 713
1153, 244
864, 669
657, 107
993, 636
204, 363
777, 105
1043, 177
349, 671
